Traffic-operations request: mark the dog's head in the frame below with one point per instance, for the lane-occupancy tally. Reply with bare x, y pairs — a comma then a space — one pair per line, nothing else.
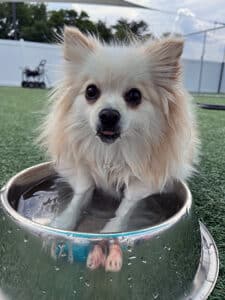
121, 91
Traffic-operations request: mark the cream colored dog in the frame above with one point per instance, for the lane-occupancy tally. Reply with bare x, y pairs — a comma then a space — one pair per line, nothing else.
120, 120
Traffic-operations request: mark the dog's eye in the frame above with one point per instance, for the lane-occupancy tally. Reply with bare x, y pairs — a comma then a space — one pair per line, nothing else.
133, 97
92, 92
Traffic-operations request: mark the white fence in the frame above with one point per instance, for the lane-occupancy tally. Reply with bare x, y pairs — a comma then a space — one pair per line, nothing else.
15, 55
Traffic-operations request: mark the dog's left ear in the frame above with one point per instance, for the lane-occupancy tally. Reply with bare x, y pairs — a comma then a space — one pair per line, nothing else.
77, 45
164, 60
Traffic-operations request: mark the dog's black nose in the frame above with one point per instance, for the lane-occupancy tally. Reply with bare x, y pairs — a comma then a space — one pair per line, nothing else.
109, 117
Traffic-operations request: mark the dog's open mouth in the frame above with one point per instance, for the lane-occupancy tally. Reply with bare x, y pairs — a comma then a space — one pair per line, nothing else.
108, 136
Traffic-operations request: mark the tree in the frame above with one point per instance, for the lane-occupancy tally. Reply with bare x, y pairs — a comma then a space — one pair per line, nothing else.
104, 32
58, 19
38, 32
5, 20
125, 30
34, 26
31, 22
35, 23
84, 24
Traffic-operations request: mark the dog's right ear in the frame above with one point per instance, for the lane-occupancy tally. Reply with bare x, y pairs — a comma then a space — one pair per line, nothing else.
76, 45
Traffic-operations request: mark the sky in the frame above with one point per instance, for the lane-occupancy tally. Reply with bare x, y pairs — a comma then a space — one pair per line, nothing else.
183, 17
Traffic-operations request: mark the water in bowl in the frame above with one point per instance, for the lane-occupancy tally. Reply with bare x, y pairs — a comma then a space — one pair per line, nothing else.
43, 200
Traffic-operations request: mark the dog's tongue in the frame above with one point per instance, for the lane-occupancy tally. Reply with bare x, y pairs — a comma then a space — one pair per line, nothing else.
107, 132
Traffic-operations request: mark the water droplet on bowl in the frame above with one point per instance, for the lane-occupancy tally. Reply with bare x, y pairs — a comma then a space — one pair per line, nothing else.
9, 231
132, 257
129, 278
25, 240
43, 292
167, 248
155, 295
144, 261
81, 277
74, 291
87, 284
129, 264
129, 249
57, 268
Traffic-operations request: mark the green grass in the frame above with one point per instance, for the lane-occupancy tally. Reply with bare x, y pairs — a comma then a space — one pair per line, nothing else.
19, 117
208, 187
211, 99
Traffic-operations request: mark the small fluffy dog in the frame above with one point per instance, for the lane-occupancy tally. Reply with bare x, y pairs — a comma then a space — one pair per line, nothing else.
121, 121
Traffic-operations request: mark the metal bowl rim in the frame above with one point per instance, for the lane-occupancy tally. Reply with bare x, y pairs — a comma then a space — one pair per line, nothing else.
156, 229
208, 259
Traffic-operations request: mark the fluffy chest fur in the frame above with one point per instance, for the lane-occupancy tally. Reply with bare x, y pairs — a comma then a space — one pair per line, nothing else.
110, 166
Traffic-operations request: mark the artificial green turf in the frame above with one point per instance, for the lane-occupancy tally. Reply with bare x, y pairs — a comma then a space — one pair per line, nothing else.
19, 117
208, 187
210, 99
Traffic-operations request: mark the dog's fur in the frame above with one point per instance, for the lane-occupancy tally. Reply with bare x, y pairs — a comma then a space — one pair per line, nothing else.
158, 137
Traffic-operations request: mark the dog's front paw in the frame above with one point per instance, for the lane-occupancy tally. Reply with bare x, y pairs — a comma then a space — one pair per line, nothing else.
64, 222
114, 260
112, 226
61, 224
42, 221
96, 258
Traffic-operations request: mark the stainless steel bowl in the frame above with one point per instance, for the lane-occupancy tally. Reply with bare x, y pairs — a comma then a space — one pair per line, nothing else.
174, 259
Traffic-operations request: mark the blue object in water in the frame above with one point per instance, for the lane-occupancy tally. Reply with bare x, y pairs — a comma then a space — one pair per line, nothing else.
71, 251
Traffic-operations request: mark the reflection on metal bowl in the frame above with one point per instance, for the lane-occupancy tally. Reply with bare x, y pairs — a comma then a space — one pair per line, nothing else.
169, 256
